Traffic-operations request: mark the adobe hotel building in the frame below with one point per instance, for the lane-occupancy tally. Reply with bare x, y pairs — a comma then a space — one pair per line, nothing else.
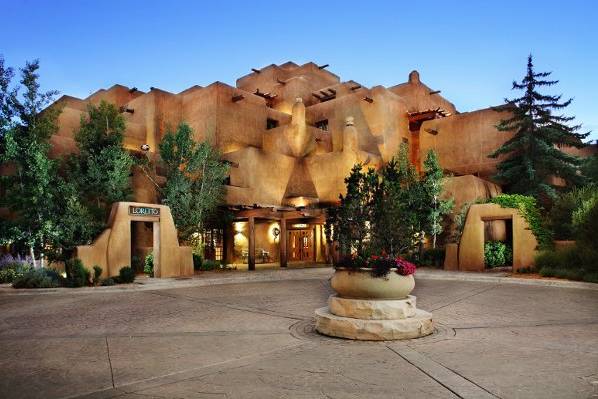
291, 134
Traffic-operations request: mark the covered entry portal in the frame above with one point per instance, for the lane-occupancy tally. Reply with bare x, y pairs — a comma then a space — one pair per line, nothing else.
276, 235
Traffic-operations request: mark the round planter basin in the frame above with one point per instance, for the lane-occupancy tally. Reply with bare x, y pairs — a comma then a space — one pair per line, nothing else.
360, 284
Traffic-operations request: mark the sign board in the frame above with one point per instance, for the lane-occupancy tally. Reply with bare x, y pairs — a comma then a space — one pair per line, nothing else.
143, 211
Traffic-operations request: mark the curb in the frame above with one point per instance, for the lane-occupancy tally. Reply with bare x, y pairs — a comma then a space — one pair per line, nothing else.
286, 275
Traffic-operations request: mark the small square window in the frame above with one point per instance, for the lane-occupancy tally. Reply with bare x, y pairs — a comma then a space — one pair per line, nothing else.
271, 123
322, 125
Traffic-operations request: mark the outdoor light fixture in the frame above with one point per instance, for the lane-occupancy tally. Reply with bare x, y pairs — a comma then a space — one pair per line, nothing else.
145, 147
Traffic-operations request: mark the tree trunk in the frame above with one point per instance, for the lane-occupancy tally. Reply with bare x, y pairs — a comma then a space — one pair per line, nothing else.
32, 256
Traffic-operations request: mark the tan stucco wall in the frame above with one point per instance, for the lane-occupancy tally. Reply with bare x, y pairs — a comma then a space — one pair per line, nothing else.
471, 246
464, 141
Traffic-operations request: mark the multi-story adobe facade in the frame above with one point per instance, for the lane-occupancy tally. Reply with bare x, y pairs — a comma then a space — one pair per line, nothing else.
291, 134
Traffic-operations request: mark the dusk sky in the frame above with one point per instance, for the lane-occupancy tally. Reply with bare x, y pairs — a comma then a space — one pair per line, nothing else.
471, 51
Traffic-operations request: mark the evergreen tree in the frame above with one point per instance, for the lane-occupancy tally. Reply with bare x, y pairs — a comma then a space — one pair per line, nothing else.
29, 186
532, 154
352, 219
194, 186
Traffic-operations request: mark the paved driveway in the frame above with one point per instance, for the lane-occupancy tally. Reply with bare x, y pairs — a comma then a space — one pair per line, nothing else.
256, 340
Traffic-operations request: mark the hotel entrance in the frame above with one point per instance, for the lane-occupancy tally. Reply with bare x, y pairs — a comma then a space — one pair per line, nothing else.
301, 245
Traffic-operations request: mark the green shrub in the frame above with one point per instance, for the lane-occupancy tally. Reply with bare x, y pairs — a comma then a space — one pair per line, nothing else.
148, 267
197, 261
108, 281
433, 257
126, 275
76, 274
10, 271
591, 277
37, 278
97, 274
528, 209
208, 264
497, 254
563, 258
585, 222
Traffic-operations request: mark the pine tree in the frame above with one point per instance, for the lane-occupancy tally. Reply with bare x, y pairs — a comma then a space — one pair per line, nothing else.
532, 155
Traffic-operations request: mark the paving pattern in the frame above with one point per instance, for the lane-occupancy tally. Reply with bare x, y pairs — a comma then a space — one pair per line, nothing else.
256, 340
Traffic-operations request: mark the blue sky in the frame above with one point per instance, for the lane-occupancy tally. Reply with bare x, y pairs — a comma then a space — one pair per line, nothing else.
471, 50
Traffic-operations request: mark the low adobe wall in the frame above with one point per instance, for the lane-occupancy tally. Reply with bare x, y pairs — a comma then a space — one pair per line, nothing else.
471, 246
112, 249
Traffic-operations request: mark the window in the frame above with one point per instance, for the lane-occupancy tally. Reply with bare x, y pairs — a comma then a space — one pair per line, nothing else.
271, 123
405, 140
322, 125
213, 244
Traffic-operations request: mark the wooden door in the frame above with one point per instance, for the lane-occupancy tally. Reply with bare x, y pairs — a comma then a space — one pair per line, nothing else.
301, 245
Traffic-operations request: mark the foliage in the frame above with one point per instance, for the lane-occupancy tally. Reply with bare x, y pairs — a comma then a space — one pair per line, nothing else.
497, 254
108, 282
433, 257
76, 273
351, 225
29, 192
380, 266
97, 274
533, 155
197, 261
37, 278
99, 173
560, 217
585, 221
195, 177
435, 208
148, 267
389, 211
126, 275
570, 263
589, 168
526, 206
11, 268
208, 265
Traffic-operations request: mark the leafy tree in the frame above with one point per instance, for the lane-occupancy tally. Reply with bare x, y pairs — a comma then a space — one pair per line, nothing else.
532, 154
29, 187
195, 177
434, 207
100, 171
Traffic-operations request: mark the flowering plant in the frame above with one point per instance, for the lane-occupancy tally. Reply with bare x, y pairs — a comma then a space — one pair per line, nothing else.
380, 265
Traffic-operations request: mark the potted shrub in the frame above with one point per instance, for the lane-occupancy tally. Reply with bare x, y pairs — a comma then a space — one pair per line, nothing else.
376, 277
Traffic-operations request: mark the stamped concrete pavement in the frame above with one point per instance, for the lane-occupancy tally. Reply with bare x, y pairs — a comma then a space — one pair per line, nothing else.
256, 340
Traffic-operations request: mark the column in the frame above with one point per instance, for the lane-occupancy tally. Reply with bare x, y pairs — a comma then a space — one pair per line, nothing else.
251, 257
283, 242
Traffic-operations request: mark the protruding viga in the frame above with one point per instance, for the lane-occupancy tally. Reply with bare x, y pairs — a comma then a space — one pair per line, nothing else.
298, 136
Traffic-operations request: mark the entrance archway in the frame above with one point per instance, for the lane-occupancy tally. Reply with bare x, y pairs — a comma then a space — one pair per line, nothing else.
112, 249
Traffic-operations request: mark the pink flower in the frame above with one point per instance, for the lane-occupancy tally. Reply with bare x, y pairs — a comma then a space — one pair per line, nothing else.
404, 268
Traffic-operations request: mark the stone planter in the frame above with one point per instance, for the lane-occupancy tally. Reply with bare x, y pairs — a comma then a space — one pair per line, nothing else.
373, 308
360, 284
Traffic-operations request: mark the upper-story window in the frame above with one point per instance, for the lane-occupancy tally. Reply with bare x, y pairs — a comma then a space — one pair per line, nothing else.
271, 123
322, 125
